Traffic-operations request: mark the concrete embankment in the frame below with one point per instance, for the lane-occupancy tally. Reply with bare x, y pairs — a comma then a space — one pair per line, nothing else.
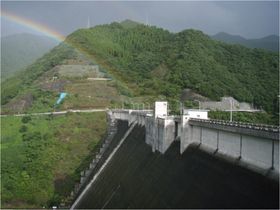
116, 131
136, 177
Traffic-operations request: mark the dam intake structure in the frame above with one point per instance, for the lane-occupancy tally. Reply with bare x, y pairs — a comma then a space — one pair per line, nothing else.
166, 161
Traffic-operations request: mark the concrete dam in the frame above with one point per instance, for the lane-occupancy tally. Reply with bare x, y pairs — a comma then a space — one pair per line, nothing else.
182, 162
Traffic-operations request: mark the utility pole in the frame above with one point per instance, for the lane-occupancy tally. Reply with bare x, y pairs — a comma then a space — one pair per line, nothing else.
230, 110
181, 108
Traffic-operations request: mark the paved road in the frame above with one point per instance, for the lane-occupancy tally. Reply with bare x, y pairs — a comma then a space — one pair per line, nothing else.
99, 79
57, 113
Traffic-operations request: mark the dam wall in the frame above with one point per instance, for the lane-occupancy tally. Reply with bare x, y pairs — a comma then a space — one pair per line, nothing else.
137, 178
160, 133
131, 115
252, 145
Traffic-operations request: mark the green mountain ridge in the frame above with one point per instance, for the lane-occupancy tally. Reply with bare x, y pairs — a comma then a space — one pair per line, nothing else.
129, 23
21, 50
153, 61
270, 42
193, 60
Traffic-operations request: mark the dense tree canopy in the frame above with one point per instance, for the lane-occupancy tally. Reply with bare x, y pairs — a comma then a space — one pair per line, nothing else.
154, 61
193, 60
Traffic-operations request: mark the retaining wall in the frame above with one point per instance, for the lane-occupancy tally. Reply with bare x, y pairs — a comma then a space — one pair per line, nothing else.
255, 145
160, 133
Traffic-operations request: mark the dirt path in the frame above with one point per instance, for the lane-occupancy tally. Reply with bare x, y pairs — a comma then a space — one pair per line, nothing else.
58, 112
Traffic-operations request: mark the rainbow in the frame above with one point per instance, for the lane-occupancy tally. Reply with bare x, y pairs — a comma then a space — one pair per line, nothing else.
33, 25
42, 29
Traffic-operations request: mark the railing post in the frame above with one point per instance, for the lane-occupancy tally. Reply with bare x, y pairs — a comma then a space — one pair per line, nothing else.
200, 135
218, 139
272, 160
240, 152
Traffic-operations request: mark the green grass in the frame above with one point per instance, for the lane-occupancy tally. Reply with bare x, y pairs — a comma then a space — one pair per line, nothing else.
90, 94
42, 168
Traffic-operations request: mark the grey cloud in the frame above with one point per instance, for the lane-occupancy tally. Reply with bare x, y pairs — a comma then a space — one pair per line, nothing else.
249, 19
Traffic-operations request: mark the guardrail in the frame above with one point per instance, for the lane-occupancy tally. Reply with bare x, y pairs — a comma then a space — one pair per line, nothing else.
270, 128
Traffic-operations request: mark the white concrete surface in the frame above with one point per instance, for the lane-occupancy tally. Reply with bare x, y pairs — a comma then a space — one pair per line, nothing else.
257, 151
196, 113
229, 143
160, 109
209, 137
276, 156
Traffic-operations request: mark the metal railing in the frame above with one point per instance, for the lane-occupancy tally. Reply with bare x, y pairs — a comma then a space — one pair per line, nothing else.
271, 128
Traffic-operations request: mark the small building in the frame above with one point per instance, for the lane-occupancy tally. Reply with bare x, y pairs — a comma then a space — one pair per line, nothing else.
196, 113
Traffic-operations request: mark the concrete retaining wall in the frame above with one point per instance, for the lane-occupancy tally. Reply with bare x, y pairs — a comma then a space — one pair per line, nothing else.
160, 133
276, 155
131, 116
229, 143
85, 175
258, 151
258, 146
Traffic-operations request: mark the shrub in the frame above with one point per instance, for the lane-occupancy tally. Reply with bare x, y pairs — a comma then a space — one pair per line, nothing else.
26, 119
23, 129
35, 136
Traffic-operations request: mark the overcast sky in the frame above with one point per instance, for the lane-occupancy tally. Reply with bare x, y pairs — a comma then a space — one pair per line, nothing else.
253, 19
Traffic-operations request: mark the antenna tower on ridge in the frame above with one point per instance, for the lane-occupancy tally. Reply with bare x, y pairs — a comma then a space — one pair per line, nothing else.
147, 19
88, 23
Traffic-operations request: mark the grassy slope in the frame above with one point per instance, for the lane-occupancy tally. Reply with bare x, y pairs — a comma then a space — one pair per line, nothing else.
43, 170
23, 81
90, 94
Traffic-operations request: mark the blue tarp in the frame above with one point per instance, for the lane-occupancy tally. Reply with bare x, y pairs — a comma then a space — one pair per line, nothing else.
61, 97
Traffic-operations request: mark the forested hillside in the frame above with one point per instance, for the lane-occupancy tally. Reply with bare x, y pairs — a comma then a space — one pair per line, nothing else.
160, 62
153, 61
21, 50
